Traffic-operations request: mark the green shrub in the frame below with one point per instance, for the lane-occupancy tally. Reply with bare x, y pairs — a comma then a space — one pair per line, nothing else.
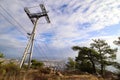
36, 64
1, 55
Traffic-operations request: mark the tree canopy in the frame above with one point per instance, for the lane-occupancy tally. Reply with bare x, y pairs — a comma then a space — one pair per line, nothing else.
96, 57
86, 57
107, 55
117, 42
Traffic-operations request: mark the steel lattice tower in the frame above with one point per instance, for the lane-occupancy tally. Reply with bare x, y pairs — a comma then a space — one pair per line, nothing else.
34, 17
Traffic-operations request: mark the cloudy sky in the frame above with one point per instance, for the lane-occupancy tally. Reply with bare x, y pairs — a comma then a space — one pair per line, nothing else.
73, 22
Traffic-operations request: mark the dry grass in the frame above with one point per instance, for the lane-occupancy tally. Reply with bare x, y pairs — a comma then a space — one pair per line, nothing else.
36, 75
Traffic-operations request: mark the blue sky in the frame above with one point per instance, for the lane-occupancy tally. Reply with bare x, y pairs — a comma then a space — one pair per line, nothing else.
73, 22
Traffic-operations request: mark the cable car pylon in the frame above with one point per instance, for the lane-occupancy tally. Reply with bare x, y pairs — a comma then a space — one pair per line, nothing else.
34, 17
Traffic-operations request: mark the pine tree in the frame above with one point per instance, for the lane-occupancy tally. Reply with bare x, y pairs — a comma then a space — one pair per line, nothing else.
106, 54
86, 59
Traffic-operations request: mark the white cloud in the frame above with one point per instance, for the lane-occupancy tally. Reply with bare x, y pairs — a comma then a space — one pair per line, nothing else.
99, 14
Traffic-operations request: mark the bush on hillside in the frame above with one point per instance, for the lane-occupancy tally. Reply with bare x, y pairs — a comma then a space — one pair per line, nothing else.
36, 64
